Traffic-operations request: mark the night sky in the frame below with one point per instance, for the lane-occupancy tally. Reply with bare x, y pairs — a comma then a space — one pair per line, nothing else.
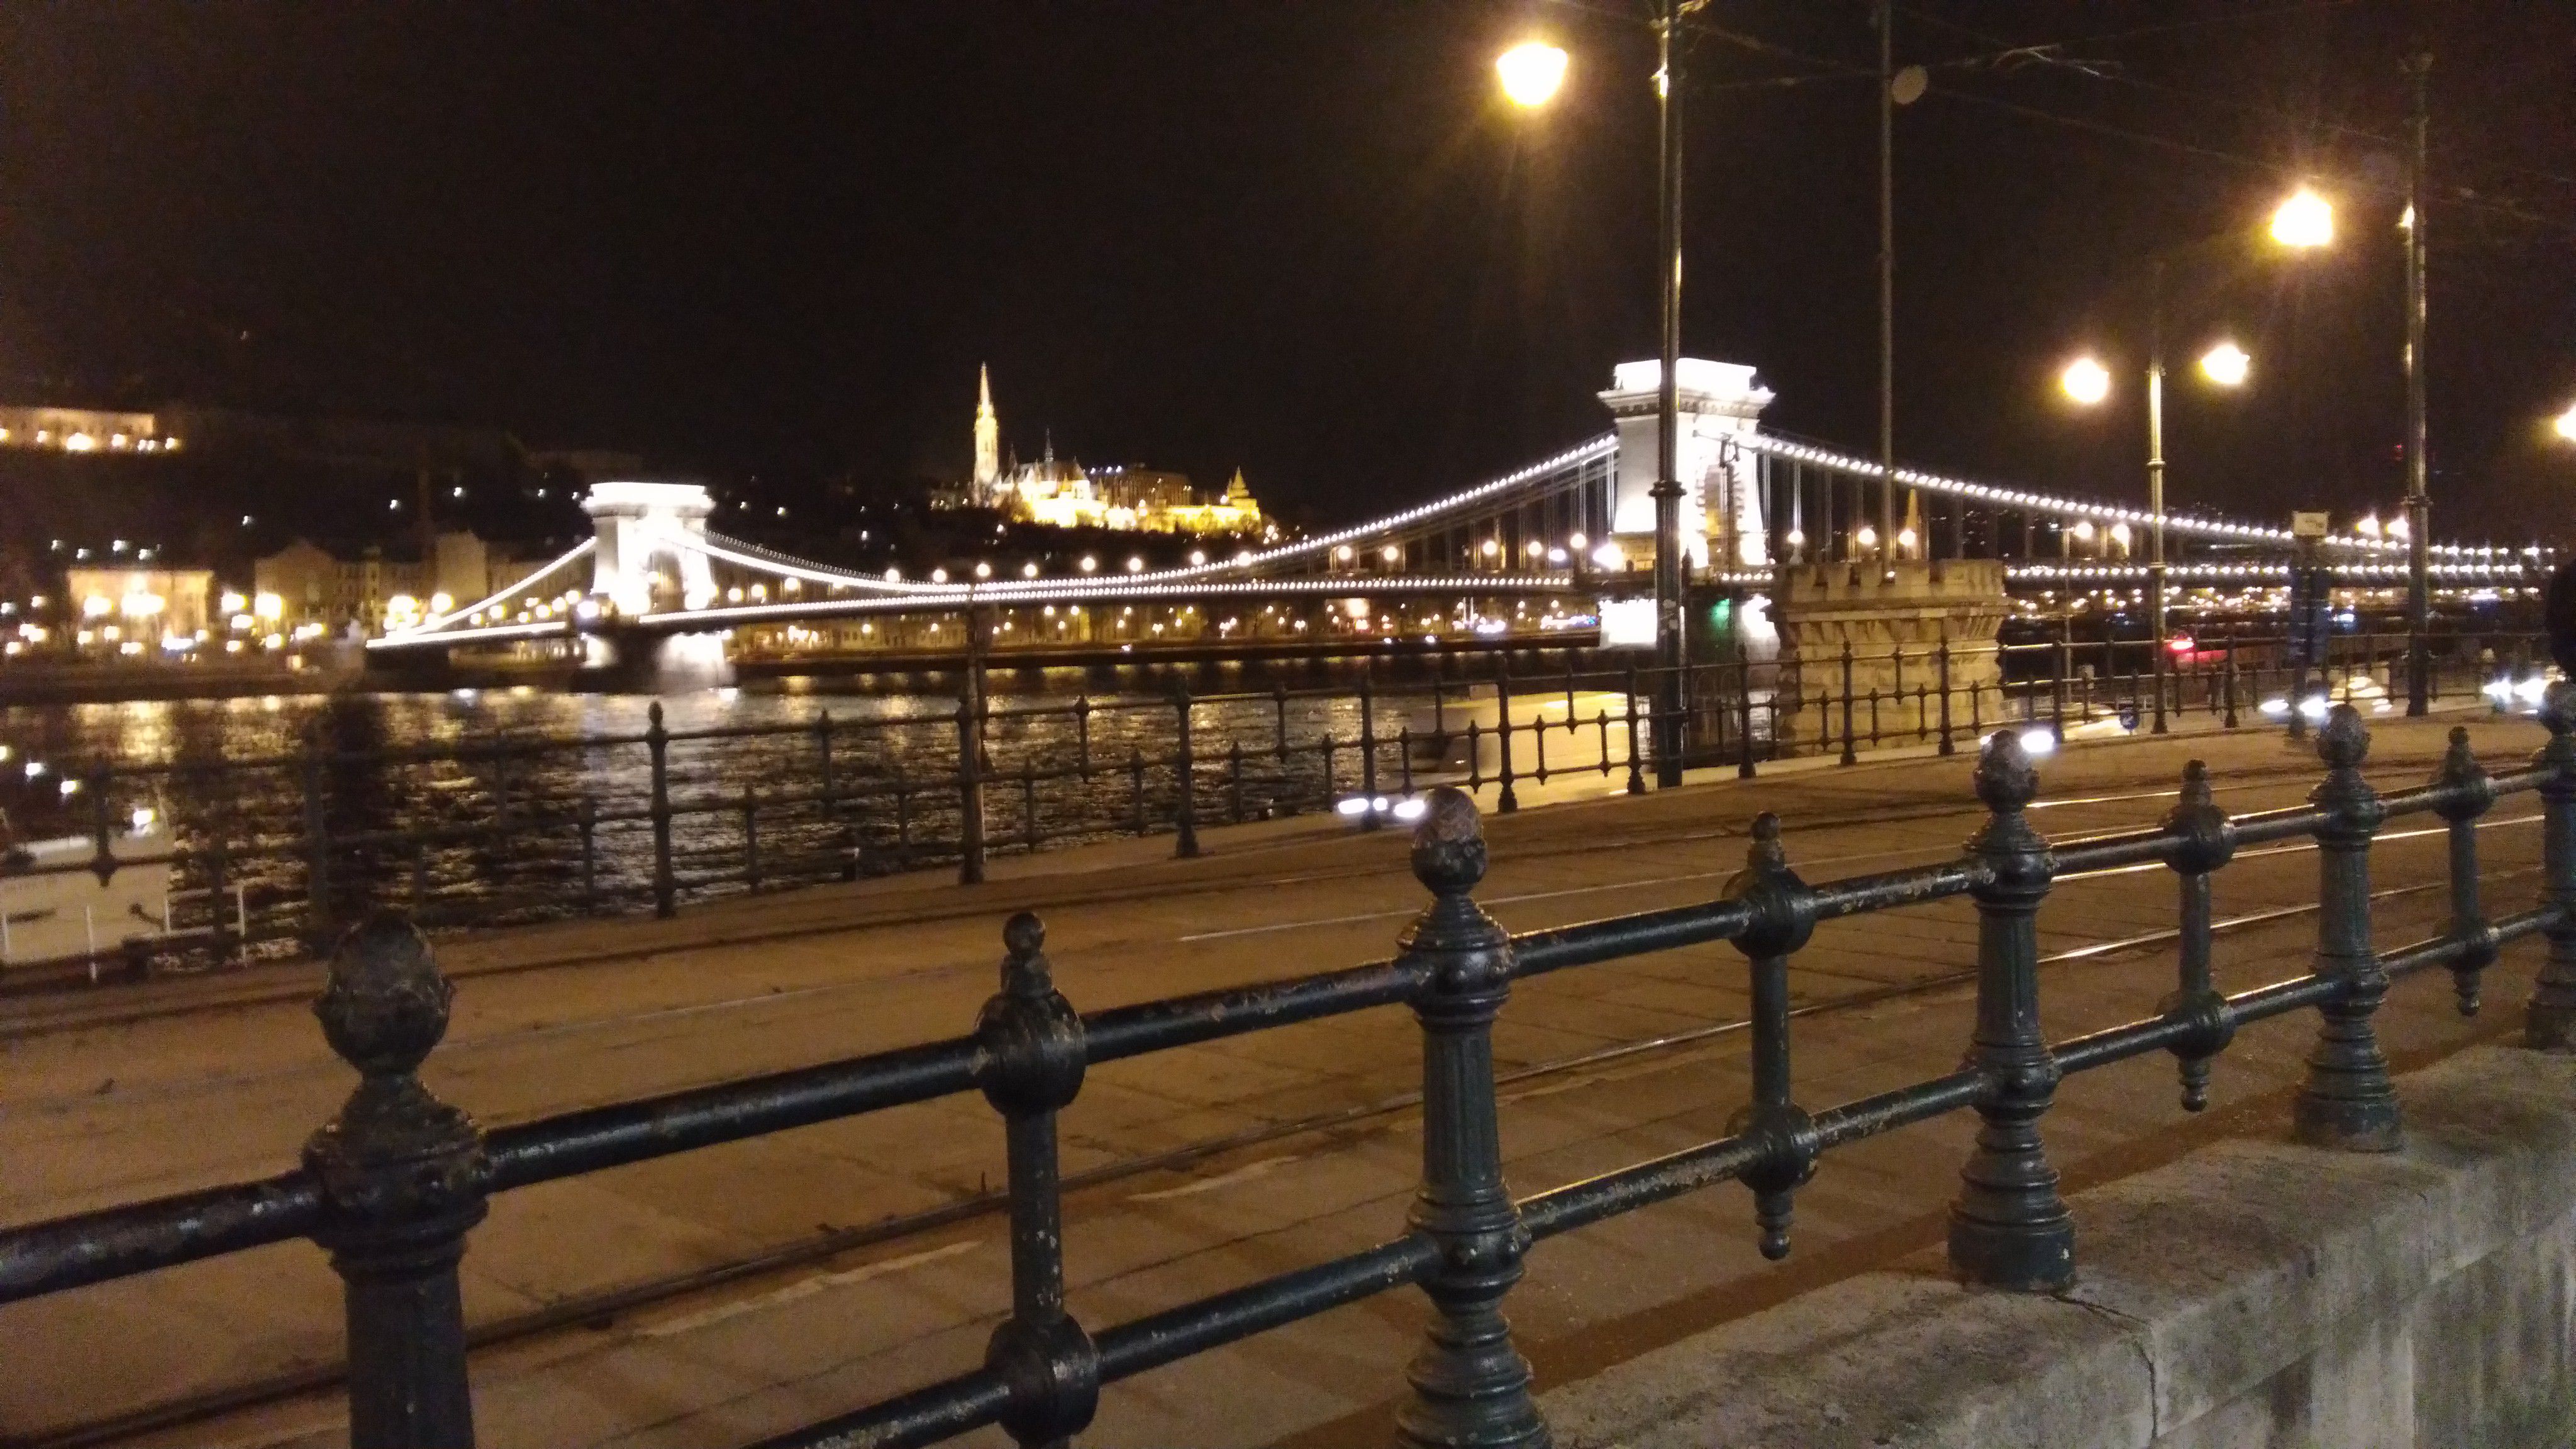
1307, 239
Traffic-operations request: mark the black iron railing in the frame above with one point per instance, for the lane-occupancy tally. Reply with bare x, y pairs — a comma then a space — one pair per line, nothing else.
289, 848
393, 1185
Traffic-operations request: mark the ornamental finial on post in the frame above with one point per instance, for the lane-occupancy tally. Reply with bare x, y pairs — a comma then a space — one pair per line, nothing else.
403, 1177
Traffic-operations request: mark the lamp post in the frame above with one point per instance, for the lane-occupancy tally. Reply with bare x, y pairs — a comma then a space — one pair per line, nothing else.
2088, 382
2419, 532
1531, 74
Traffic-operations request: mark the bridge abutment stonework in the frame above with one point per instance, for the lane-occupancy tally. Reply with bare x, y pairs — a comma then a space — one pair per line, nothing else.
1895, 619
641, 528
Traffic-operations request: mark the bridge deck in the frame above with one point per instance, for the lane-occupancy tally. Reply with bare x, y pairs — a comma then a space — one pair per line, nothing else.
106, 1113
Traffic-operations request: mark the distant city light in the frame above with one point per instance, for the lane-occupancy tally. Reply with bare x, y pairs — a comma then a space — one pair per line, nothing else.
2566, 424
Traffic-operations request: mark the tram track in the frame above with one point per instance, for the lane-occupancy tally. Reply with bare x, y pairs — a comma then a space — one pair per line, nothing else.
599, 1310
295, 982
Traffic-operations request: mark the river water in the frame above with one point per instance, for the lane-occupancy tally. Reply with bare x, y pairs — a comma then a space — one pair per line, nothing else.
422, 815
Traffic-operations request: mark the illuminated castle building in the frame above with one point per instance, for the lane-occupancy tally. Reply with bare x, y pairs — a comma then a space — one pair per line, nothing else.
1064, 494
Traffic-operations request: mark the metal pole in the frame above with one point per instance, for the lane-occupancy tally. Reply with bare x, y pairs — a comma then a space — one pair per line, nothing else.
2549, 1019
1033, 1066
2419, 585
657, 744
2009, 1227
402, 1177
1667, 491
2156, 486
1470, 1385
1887, 282
2347, 1100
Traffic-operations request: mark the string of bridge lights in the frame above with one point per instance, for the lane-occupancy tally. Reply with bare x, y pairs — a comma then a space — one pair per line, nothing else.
892, 592
2014, 498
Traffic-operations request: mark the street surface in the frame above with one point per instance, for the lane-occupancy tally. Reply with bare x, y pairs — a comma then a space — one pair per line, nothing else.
1316, 1149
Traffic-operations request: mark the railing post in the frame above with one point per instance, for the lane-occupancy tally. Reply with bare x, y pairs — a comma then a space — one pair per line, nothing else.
1849, 757
2229, 679
1470, 1385
403, 1177
1185, 811
589, 826
1082, 735
2057, 687
1636, 755
657, 744
1743, 713
317, 847
2009, 1228
1941, 664
1279, 721
1782, 922
750, 840
970, 790
1136, 788
2204, 840
1031, 1066
823, 756
1369, 819
2549, 1022
1029, 806
1234, 779
2347, 1100
1509, 800
2461, 774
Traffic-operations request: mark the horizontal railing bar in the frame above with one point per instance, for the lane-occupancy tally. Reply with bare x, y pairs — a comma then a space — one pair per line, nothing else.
1886, 1111
118, 1242
925, 1416
1161, 1338
2112, 852
1885, 890
571, 1143
1536, 953
2264, 826
1580, 1204
1148, 1026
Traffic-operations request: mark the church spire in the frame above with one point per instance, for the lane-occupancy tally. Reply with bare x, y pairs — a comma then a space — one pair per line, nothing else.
988, 434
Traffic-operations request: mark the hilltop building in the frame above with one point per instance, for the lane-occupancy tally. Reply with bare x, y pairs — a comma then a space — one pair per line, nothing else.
1061, 493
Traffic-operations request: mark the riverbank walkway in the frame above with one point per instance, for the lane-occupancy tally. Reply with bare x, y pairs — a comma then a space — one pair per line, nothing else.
711, 1298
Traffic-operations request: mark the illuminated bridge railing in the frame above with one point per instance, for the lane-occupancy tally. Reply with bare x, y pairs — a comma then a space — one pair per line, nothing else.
393, 1186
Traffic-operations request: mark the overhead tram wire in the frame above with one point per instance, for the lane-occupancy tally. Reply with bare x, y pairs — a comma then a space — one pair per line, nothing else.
1828, 69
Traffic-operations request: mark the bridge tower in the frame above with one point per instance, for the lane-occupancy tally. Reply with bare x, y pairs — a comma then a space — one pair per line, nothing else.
1721, 507
642, 525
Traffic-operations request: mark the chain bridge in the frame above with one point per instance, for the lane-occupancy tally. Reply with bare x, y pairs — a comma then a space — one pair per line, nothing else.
1548, 552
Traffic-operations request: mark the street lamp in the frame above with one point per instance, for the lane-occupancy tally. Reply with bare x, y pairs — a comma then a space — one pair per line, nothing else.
2304, 221
1531, 74
2088, 382
2566, 424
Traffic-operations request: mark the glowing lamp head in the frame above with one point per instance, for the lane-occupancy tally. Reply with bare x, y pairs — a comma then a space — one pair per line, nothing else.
2305, 220
2085, 381
2226, 365
2566, 424
1531, 72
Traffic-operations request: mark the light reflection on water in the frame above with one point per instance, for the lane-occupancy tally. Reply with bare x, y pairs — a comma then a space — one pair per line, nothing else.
241, 788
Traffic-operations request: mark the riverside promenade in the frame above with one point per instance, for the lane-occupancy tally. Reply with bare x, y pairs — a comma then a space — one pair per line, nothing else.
710, 1299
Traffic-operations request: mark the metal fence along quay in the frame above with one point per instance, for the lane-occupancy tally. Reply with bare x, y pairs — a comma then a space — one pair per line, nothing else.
393, 1185
289, 848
